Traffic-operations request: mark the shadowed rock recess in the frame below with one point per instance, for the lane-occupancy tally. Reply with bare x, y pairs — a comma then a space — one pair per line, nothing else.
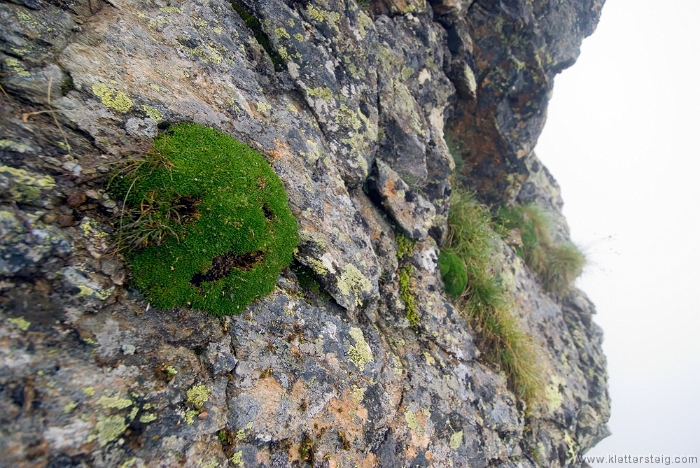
351, 104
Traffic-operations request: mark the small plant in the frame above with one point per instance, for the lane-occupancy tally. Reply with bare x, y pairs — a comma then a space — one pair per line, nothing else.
207, 222
556, 265
453, 272
486, 304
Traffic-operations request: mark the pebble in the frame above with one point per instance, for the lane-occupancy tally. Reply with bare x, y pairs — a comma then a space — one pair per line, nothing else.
76, 199
65, 220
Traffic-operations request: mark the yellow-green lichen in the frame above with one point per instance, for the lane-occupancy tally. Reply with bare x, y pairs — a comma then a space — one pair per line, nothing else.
406, 106
316, 13
69, 407
24, 186
406, 73
14, 146
209, 464
284, 54
240, 435
571, 448
24, 16
360, 353
397, 366
358, 393
198, 395
347, 116
152, 113
412, 422
456, 440
553, 395
114, 402
90, 228
170, 10
89, 391
323, 93
363, 22
84, 290
299, 37
107, 429
237, 458
429, 359
352, 281
148, 417
20, 323
189, 416
129, 462
112, 98
282, 33
263, 107
157, 23
16, 67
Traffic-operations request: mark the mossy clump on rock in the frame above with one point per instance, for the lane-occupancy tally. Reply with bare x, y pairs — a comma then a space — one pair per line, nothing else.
453, 272
206, 222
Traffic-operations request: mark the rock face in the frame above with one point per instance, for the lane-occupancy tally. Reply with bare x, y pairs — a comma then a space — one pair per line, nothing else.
350, 104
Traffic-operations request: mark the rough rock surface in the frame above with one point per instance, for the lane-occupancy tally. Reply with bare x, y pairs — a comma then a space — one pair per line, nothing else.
413, 214
91, 375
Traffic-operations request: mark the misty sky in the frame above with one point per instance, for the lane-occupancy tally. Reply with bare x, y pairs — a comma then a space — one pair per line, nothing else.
623, 140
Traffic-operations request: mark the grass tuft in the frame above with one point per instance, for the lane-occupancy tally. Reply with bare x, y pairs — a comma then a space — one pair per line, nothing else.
486, 303
206, 222
556, 265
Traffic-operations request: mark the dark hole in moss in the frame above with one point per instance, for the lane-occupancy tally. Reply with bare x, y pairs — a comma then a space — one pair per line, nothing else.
268, 212
222, 265
186, 208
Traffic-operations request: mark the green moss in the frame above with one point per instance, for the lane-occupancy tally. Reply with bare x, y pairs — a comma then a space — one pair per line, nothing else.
209, 225
404, 246
453, 272
406, 292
